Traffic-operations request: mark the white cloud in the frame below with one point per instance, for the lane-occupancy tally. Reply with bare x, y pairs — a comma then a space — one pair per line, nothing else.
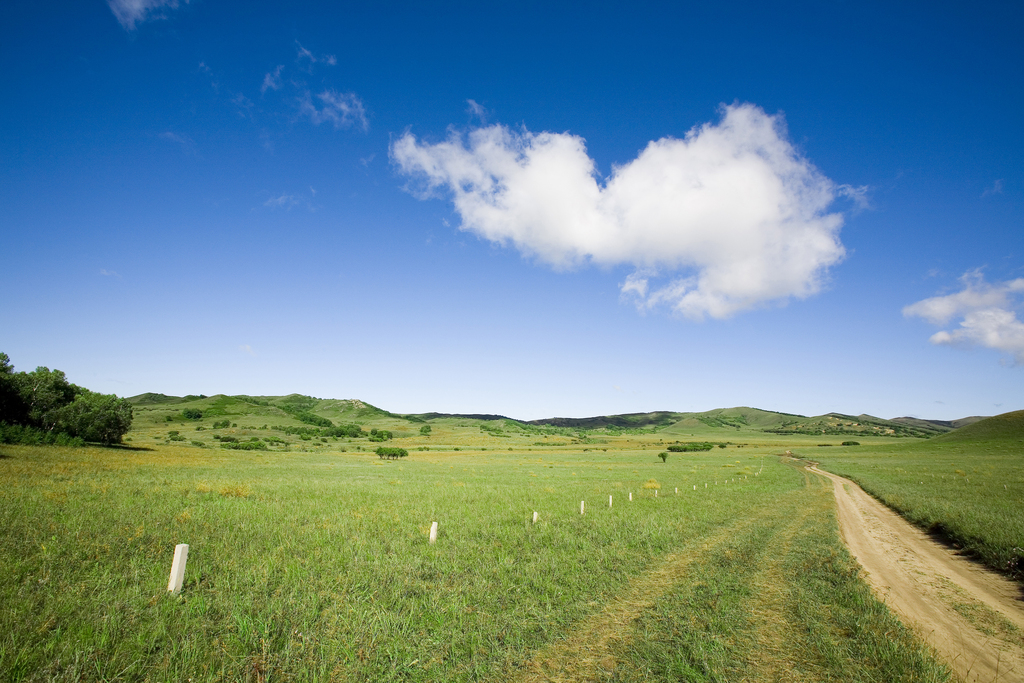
732, 214
246, 349
284, 201
187, 144
132, 12
997, 188
986, 313
344, 110
475, 109
306, 55
272, 81
288, 201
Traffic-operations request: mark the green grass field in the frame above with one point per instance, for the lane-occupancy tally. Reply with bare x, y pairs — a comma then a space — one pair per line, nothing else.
316, 566
967, 486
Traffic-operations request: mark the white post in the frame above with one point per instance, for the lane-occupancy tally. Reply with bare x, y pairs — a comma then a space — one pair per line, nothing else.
631, 495
655, 493
694, 487
534, 516
705, 484
433, 531
677, 490
609, 501
178, 568
582, 504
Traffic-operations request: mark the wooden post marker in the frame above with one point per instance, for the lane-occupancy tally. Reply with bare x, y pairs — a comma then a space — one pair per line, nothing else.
582, 506
677, 490
631, 495
534, 516
609, 501
694, 487
178, 568
433, 531
655, 493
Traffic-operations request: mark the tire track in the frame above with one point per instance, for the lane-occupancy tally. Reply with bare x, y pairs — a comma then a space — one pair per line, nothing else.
586, 653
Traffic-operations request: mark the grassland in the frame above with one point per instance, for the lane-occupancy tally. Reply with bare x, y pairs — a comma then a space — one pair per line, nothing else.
315, 565
966, 486
309, 559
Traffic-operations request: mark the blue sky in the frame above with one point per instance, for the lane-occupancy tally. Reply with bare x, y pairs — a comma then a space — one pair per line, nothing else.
530, 209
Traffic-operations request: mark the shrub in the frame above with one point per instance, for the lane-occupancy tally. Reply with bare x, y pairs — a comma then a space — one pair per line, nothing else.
380, 435
851, 443
311, 419
391, 453
691, 447
192, 414
30, 436
244, 445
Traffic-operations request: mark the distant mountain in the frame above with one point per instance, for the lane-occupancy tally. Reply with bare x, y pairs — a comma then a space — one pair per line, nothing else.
626, 421
151, 399
717, 422
469, 416
941, 425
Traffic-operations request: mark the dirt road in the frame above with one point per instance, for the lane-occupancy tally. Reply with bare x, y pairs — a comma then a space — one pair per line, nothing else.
971, 616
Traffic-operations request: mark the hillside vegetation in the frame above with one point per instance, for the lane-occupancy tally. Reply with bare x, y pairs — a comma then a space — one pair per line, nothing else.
298, 421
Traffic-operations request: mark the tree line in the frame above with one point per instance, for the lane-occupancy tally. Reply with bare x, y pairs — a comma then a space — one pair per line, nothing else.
42, 406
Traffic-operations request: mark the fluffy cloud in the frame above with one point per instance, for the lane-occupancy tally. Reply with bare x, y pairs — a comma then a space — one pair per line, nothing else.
729, 218
344, 110
986, 313
131, 12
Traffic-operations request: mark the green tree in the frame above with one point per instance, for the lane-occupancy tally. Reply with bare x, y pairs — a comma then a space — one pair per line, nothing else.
102, 418
425, 430
44, 403
12, 407
664, 456
44, 391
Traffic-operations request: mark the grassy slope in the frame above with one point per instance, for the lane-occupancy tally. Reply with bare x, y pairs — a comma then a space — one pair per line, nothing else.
967, 485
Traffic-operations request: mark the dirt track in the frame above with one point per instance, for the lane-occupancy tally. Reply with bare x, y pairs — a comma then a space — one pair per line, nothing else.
932, 588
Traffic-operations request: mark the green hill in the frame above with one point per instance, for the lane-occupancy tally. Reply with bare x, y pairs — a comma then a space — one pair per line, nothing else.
719, 423
1005, 427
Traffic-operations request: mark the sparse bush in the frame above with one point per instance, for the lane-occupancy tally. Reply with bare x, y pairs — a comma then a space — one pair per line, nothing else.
311, 419
380, 435
256, 445
663, 455
192, 414
690, 447
851, 443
